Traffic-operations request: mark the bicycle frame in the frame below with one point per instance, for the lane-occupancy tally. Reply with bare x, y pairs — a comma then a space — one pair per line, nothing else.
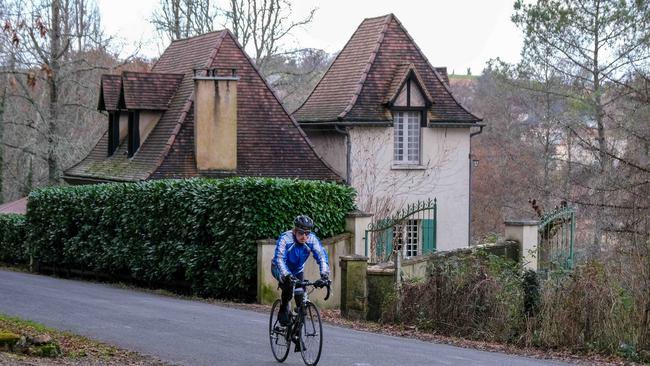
295, 325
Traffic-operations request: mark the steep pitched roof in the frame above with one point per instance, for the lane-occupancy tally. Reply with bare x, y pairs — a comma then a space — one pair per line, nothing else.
269, 141
148, 90
355, 86
109, 92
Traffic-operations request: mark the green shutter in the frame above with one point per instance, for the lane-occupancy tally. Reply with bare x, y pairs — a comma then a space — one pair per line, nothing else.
428, 236
385, 242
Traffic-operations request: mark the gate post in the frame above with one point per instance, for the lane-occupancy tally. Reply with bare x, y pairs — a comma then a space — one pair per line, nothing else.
525, 232
356, 222
354, 292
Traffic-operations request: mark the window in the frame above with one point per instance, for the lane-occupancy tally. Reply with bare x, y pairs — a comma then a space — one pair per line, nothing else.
407, 137
406, 238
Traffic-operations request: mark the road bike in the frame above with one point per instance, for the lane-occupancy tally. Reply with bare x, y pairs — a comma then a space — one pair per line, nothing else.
304, 328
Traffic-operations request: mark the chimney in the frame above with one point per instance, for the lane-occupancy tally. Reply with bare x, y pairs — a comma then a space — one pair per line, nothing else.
215, 119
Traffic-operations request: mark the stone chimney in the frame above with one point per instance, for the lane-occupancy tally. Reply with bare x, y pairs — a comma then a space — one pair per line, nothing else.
215, 119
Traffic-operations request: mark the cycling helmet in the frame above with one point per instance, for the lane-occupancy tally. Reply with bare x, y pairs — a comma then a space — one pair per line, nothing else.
303, 222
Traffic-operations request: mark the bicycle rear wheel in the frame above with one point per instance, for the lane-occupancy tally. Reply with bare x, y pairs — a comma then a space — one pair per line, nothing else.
311, 335
278, 334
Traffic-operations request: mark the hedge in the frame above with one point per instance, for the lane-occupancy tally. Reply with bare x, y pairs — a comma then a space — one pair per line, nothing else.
12, 239
202, 231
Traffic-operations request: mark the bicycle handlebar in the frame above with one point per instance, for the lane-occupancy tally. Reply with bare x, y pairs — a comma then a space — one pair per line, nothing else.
317, 284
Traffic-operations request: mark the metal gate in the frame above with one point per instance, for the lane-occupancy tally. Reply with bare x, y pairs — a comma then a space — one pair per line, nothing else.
411, 231
556, 232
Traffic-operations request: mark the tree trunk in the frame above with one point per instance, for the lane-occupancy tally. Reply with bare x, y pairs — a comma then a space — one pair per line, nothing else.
55, 54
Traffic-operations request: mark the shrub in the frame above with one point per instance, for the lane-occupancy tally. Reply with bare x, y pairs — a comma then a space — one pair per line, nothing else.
587, 310
12, 239
470, 295
200, 230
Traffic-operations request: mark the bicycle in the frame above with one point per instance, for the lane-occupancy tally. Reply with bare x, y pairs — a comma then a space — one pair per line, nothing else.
304, 329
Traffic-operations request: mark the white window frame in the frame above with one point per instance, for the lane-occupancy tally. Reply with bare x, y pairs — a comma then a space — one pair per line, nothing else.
407, 132
408, 240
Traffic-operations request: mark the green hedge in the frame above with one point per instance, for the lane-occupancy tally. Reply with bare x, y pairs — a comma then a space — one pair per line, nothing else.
12, 239
200, 230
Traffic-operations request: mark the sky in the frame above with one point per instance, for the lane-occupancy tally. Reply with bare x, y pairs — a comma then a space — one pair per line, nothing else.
458, 34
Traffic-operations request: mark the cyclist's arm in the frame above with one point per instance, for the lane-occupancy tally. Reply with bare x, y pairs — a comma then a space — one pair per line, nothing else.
320, 254
279, 259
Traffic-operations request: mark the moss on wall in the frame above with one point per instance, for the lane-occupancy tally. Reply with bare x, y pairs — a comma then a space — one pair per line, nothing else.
381, 293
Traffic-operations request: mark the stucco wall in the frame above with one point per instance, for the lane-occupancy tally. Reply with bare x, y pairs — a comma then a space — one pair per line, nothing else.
267, 291
443, 174
332, 148
148, 120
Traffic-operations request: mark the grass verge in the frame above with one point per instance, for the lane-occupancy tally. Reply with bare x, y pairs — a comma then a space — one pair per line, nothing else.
71, 349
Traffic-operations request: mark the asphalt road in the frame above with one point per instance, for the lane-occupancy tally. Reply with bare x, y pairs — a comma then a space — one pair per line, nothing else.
197, 333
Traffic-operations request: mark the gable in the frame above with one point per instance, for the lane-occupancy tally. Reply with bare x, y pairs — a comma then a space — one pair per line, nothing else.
407, 90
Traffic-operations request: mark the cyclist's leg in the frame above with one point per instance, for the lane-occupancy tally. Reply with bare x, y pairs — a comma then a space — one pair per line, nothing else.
287, 292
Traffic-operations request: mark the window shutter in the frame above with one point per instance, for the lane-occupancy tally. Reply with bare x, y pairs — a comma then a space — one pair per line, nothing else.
428, 236
385, 242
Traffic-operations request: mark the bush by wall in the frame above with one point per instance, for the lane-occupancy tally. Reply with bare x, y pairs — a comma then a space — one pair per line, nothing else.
473, 295
12, 239
600, 306
201, 231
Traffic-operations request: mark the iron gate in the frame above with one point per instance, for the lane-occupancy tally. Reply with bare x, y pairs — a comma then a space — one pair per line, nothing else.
556, 232
412, 231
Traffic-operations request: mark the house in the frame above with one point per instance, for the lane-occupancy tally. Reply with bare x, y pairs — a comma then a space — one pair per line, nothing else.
204, 110
385, 119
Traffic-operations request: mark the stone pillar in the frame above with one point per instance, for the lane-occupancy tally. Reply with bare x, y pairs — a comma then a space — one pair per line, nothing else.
525, 232
354, 292
356, 223
381, 290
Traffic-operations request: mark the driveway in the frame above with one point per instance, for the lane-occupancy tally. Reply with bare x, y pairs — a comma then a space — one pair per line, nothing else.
197, 333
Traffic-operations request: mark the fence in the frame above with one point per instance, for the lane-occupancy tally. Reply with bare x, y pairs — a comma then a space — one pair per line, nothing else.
411, 231
555, 239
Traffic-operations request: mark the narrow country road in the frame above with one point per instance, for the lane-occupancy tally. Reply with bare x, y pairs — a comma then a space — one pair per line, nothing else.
197, 333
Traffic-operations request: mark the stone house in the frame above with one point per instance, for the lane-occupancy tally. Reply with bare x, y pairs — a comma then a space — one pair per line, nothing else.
386, 120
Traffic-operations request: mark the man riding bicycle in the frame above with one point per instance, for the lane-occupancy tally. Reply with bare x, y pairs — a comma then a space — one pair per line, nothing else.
291, 252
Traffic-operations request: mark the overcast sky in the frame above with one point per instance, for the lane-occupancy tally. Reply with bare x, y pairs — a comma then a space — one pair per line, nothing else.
459, 34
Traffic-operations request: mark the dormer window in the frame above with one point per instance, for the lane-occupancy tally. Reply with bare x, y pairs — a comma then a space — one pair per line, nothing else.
408, 101
406, 132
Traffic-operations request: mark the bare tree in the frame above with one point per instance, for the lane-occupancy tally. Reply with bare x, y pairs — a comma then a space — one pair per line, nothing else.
53, 53
177, 19
591, 44
263, 24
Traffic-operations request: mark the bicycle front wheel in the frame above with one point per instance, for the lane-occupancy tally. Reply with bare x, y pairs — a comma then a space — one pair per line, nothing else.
311, 335
279, 340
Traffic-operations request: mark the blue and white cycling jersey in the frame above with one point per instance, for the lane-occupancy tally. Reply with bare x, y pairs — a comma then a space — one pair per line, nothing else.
290, 255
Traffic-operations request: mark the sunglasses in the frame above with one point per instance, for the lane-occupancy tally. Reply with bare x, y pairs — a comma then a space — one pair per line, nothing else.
303, 232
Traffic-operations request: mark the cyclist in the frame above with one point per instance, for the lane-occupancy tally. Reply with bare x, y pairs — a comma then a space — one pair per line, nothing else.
291, 252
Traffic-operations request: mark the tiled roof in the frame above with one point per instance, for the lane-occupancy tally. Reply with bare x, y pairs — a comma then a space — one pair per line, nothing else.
401, 73
15, 207
148, 90
442, 71
269, 141
109, 92
355, 86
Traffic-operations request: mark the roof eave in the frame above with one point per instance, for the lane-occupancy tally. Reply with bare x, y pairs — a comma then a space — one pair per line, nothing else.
456, 124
